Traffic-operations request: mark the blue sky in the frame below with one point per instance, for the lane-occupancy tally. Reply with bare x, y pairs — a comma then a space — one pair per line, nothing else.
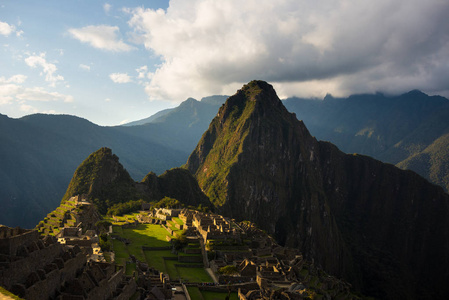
117, 61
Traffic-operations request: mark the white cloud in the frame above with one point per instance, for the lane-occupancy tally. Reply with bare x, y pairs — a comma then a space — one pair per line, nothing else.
303, 47
6, 29
19, 78
142, 72
28, 109
7, 93
10, 92
101, 37
120, 77
85, 67
39, 94
48, 69
107, 7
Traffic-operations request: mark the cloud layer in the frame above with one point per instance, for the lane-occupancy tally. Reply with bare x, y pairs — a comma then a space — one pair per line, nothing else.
306, 48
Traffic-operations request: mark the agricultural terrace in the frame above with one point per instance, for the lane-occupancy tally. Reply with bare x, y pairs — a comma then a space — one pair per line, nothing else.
196, 293
152, 235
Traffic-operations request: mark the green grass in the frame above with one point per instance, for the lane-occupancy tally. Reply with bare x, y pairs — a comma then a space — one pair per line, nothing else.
121, 253
130, 268
143, 235
207, 295
178, 220
170, 269
195, 293
155, 259
194, 274
153, 236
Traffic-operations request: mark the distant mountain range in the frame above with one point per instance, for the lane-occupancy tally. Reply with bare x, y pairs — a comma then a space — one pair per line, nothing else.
410, 130
39, 153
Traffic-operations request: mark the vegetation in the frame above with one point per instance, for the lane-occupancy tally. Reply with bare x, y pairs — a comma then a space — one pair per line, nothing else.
196, 293
103, 179
150, 235
120, 209
168, 202
105, 243
229, 270
221, 145
8, 294
103, 225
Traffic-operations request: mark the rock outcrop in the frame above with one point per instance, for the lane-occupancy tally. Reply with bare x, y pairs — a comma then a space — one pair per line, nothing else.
384, 229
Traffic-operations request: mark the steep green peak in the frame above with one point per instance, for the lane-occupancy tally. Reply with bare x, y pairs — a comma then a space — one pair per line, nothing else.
260, 91
256, 95
102, 168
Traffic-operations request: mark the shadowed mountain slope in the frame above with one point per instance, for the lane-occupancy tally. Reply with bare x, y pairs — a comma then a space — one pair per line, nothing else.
389, 128
381, 228
39, 153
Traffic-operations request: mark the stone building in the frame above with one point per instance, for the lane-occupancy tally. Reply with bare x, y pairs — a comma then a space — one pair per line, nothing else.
32, 267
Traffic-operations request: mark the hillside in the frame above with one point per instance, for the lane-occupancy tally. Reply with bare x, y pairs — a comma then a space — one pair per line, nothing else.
379, 227
389, 128
39, 154
103, 180
179, 128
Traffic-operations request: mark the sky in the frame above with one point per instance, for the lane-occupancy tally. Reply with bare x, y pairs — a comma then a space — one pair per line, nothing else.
113, 62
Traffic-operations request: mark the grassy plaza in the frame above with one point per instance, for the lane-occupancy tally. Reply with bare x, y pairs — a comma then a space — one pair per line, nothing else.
151, 235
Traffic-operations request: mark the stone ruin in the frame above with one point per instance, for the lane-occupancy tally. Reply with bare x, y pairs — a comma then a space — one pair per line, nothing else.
32, 267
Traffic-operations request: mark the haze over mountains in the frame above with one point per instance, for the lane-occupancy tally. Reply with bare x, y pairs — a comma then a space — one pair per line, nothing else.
39, 153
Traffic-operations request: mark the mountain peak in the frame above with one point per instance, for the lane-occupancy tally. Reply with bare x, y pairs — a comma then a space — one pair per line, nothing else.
260, 91
101, 176
256, 96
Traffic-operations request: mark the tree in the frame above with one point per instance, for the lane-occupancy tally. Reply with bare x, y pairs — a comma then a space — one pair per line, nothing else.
103, 225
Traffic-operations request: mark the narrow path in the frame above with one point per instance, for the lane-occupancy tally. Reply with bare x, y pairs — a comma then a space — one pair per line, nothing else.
212, 274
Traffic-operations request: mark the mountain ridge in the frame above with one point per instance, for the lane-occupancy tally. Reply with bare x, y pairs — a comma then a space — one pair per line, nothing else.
340, 210
388, 128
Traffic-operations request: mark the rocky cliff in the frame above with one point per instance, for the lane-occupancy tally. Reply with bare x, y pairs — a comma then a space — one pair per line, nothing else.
383, 229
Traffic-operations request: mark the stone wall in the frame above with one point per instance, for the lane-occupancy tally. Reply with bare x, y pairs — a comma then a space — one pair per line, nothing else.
18, 270
11, 239
223, 279
50, 278
106, 288
128, 290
